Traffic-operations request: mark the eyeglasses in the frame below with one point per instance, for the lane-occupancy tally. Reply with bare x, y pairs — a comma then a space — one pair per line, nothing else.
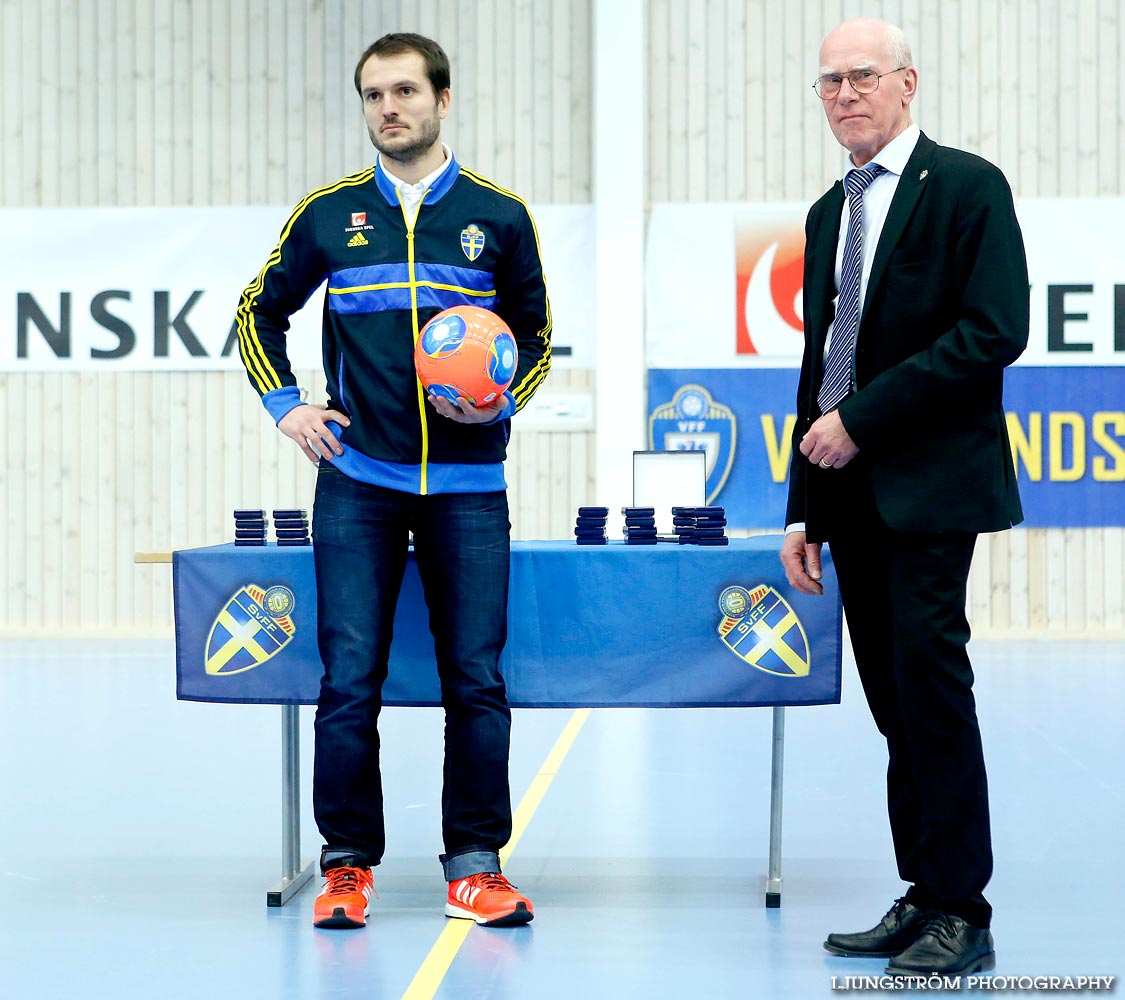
863, 81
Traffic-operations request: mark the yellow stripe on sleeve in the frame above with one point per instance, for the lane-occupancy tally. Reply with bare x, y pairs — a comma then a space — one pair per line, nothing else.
250, 349
522, 393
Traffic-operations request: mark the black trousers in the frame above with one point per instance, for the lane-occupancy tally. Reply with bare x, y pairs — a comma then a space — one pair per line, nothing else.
904, 599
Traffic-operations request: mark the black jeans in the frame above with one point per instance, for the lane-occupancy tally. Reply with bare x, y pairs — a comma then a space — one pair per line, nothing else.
461, 544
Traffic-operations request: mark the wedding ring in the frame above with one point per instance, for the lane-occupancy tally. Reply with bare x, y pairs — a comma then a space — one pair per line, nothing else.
824, 464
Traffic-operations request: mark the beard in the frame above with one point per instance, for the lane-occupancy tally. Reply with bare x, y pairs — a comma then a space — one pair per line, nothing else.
413, 145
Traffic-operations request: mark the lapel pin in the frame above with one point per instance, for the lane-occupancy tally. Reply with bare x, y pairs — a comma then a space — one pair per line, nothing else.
922, 176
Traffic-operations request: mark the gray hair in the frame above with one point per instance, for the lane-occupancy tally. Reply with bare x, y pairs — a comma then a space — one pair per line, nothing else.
898, 47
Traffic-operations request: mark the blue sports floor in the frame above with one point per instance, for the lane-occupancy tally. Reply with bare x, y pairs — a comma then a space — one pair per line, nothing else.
138, 836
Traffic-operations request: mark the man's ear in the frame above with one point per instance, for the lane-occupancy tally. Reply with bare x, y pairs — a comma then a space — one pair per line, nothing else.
909, 85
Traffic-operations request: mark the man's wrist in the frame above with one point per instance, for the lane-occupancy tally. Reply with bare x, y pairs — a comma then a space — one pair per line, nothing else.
507, 411
279, 402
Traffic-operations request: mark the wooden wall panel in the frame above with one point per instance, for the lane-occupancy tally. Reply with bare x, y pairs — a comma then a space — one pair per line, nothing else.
250, 102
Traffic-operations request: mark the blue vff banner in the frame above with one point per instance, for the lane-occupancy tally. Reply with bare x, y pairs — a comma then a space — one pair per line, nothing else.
1067, 428
1066, 425
743, 418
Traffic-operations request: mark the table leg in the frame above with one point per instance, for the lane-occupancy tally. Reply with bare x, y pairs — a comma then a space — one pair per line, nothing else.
293, 874
773, 879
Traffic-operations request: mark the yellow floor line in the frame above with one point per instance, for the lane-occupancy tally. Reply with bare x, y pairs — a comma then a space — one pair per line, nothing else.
436, 964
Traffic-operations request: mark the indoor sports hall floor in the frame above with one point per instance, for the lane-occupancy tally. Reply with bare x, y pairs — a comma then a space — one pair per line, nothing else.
139, 835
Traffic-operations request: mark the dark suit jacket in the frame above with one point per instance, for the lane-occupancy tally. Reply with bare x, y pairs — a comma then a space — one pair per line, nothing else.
946, 310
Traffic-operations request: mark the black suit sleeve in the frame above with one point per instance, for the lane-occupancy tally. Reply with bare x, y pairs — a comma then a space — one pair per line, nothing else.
798, 465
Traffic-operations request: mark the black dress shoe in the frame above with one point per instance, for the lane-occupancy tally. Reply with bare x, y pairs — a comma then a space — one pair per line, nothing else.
898, 930
947, 946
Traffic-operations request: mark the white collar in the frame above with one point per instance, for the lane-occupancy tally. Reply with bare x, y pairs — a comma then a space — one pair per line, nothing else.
426, 181
893, 156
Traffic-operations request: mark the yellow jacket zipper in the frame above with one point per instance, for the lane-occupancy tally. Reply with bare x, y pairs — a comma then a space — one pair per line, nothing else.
410, 222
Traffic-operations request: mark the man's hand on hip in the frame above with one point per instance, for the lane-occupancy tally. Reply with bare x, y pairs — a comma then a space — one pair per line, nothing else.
307, 425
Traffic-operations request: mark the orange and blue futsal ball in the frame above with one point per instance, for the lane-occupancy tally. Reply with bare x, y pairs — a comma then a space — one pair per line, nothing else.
466, 353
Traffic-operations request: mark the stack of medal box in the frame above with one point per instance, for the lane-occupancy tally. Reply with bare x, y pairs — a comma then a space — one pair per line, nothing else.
589, 525
291, 527
250, 527
700, 525
640, 525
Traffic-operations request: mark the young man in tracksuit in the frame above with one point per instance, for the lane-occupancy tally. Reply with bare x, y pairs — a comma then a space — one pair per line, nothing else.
399, 242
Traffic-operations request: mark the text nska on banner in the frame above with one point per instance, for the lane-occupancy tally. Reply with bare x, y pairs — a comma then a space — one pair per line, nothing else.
155, 289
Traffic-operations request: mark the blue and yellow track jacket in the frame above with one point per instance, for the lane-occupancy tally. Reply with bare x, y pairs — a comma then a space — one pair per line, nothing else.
387, 274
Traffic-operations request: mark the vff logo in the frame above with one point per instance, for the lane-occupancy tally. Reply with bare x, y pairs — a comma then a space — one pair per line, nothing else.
693, 421
254, 625
760, 628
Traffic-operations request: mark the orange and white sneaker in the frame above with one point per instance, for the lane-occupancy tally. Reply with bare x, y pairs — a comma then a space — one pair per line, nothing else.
345, 900
489, 899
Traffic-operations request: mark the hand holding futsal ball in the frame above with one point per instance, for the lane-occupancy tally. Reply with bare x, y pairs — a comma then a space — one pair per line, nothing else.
466, 355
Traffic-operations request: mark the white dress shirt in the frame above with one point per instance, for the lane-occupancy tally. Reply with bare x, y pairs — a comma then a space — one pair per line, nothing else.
876, 203
412, 194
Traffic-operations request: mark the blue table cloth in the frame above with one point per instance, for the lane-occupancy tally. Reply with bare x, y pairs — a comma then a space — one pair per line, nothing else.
616, 625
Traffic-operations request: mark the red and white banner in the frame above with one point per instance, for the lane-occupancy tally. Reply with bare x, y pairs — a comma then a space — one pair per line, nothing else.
724, 284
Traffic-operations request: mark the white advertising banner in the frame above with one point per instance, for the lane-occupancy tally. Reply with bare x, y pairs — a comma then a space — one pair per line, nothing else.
724, 284
155, 289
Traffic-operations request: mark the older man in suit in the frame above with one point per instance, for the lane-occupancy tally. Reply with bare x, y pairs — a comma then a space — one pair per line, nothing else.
915, 300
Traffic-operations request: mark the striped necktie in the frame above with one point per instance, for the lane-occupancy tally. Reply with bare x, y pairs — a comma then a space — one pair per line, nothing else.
839, 367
